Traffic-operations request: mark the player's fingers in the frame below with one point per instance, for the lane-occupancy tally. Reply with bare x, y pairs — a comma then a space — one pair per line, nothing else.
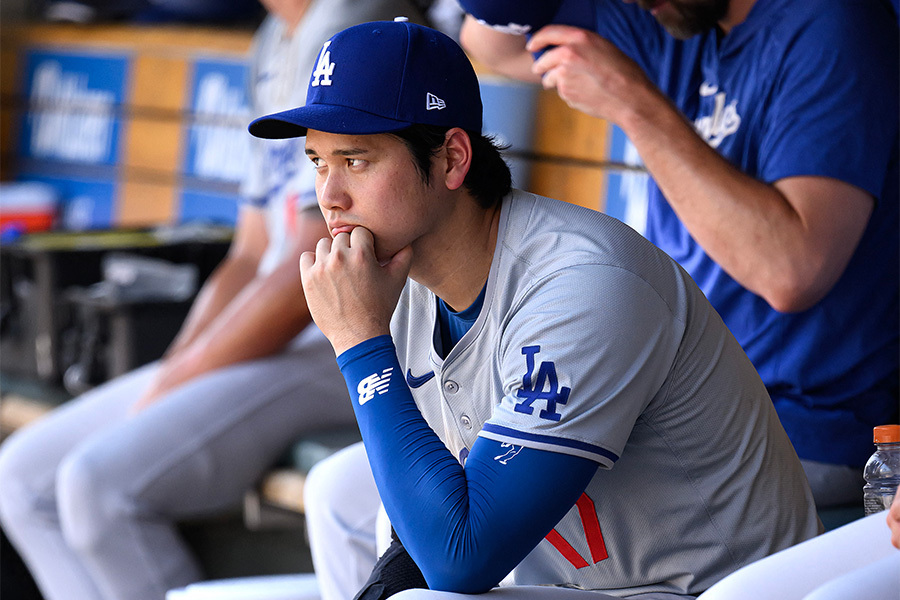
361, 238
550, 79
554, 35
547, 62
323, 249
559, 57
307, 260
341, 240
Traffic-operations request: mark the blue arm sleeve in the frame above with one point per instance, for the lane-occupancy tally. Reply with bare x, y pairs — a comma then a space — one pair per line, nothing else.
466, 527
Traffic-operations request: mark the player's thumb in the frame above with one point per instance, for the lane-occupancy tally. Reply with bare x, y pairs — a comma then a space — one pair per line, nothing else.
399, 265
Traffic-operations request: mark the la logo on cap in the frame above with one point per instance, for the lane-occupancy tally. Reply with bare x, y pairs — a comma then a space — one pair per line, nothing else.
324, 68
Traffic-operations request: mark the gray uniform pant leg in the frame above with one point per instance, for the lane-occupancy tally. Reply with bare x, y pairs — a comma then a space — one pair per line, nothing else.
107, 503
29, 461
341, 504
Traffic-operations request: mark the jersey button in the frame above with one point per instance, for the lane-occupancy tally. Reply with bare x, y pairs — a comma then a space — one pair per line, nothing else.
451, 387
466, 421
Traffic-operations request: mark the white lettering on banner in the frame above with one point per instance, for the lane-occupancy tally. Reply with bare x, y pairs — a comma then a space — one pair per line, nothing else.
79, 212
222, 151
72, 122
724, 121
635, 191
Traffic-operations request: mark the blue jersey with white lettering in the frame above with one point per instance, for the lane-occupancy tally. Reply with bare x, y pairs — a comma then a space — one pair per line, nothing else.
592, 342
799, 89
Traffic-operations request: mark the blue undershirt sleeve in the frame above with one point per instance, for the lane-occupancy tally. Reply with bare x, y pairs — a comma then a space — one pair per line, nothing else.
466, 527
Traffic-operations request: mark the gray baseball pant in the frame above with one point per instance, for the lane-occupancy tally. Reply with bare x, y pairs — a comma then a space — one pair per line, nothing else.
90, 495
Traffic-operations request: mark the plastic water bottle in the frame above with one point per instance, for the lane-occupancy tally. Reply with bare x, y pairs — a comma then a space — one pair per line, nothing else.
882, 472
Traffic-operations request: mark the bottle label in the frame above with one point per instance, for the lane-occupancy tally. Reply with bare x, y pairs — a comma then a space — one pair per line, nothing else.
877, 503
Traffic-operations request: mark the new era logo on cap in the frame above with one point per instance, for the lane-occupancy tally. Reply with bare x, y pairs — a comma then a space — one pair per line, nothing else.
432, 102
372, 78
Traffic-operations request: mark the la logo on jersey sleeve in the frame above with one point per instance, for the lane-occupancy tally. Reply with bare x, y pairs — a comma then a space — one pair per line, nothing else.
533, 388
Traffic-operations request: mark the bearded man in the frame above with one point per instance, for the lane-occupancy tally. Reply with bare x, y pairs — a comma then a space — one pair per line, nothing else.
770, 130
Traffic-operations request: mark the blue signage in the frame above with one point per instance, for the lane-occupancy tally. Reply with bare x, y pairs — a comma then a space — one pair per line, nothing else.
200, 206
218, 145
73, 107
626, 187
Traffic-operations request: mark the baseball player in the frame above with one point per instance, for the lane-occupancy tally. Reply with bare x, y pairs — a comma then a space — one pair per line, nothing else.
539, 389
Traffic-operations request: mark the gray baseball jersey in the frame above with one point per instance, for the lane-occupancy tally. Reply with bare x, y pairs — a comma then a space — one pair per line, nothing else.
593, 342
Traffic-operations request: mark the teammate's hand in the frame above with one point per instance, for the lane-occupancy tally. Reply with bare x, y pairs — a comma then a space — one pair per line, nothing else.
893, 521
350, 295
591, 75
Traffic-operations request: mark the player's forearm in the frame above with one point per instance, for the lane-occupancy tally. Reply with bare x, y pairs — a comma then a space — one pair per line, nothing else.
746, 226
467, 527
500, 52
260, 321
226, 282
411, 466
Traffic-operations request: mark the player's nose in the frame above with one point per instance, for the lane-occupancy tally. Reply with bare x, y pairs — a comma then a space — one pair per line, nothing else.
332, 192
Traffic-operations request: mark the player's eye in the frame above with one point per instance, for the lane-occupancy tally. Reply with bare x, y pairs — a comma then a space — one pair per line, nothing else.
316, 161
355, 162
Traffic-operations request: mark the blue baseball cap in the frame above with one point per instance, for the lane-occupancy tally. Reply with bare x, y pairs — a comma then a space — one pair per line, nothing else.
380, 77
513, 16
524, 17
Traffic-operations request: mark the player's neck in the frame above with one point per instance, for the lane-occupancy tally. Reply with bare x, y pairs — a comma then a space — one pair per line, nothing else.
738, 10
290, 12
457, 261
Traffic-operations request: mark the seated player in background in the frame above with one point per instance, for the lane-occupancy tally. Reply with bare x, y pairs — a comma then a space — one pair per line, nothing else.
92, 495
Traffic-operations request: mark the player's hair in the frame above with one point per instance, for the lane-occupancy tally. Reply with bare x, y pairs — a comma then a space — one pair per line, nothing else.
488, 179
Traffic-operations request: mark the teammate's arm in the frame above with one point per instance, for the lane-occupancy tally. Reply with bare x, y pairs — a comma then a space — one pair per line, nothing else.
465, 527
503, 53
260, 317
788, 242
235, 271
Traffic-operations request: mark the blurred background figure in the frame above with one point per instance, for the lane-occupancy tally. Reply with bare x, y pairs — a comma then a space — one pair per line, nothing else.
91, 495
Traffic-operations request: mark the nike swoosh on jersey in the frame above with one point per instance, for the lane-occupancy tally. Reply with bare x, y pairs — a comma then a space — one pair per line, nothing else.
419, 381
707, 89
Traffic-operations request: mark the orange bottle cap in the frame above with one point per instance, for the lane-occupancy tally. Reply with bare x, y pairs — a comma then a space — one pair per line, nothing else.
887, 434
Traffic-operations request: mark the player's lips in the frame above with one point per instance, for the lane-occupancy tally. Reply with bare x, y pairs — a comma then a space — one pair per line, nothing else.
337, 228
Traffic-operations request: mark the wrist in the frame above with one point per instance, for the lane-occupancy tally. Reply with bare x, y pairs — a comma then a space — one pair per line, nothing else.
648, 113
179, 366
345, 340
373, 344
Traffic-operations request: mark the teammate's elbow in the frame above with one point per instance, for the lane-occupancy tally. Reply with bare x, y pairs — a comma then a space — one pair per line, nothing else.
797, 294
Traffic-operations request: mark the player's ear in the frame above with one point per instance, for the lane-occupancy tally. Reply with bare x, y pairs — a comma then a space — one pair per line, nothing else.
458, 155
